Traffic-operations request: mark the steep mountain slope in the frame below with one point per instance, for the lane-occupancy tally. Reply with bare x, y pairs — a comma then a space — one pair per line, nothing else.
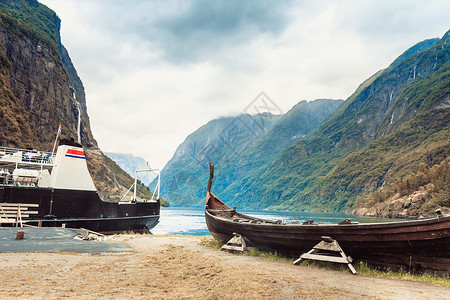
295, 125
416, 195
37, 83
219, 141
240, 145
396, 119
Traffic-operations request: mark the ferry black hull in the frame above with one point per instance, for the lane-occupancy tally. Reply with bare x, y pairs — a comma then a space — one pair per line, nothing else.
82, 209
105, 225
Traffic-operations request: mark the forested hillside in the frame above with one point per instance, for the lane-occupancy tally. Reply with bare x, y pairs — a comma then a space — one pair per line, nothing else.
416, 195
395, 120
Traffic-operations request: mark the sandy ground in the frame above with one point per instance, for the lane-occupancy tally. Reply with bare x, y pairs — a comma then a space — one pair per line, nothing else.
177, 267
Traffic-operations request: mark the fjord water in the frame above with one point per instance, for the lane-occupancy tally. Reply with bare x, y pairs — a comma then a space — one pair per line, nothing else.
191, 220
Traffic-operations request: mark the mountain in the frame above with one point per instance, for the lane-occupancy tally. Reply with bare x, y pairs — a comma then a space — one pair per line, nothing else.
37, 83
130, 163
219, 141
394, 121
239, 146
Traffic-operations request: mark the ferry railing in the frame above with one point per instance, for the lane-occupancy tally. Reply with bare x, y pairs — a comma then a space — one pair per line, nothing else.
6, 178
17, 155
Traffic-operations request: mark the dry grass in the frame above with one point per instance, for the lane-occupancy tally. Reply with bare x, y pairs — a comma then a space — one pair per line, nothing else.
176, 267
173, 273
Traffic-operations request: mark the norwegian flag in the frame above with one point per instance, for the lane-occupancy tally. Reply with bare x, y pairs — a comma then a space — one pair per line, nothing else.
59, 131
56, 140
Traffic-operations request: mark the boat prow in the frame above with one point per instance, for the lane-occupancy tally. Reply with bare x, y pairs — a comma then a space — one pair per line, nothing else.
421, 245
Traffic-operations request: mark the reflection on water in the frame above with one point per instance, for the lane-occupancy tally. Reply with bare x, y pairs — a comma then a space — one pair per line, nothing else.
191, 220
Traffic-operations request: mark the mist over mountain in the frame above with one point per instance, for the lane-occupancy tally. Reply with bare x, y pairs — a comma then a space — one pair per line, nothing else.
239, 146
323, 155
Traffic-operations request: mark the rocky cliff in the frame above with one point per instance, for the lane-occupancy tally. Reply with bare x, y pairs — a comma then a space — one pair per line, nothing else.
420, 195
37, 83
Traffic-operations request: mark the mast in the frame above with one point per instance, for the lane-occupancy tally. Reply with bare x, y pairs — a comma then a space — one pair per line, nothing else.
79, 118
56, 139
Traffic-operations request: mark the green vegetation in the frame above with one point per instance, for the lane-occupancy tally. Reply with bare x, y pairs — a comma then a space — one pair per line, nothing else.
15, 131
393, 156
433, 183
273, 256
391, 124
34, 20
124, 179
210, 243
364, 269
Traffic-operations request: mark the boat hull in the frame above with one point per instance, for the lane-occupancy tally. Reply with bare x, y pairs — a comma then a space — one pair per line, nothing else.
82, 209
420, 245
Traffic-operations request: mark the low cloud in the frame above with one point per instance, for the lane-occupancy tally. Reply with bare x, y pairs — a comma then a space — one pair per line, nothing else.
155, 71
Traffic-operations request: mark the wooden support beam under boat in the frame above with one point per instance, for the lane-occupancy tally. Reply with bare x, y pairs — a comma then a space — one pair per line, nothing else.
328, 250
237, 243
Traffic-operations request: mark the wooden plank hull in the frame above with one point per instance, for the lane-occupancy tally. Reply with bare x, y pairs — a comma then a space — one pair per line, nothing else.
421, 245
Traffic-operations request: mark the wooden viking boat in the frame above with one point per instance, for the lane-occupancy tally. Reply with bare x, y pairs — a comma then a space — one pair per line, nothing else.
421, 245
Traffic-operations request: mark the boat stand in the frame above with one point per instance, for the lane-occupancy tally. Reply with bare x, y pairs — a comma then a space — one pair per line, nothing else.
237, 243
327, 250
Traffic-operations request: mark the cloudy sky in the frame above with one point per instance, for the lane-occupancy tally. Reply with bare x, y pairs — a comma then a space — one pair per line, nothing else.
155, 71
